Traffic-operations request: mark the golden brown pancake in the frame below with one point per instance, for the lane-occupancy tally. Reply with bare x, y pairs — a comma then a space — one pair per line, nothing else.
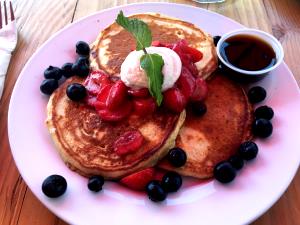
216, 135
114, 43
85, 142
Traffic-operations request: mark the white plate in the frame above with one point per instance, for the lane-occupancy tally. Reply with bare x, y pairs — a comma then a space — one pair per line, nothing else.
255, 189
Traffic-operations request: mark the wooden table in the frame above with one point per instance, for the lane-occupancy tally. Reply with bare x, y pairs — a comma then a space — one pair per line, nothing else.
38, 19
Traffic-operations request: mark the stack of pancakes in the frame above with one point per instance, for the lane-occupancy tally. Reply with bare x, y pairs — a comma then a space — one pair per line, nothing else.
85, 142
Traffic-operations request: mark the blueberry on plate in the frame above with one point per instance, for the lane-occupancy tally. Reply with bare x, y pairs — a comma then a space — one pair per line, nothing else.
48, 86
264, 112
95, 183
248, 150
199, 108
155, 191
224, 172
177, 157
81, 68
54, 186
76, 92
216, 39
236, 161
66, 70
53, 72
171, 182
82, 48
262, 128
257, 94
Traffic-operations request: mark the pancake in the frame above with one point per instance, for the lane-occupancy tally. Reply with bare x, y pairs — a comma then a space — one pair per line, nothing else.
216, 135
114, 43
85, 142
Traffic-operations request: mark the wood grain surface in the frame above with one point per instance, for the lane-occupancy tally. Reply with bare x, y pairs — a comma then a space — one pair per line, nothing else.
37, 20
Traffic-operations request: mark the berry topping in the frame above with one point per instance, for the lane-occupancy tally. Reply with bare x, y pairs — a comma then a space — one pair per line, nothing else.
171, 182
117, 95
157, 44
257, 94
139, 93
201, 90
66, 70
48, 86
76, 92
264, 112
216, 39
143, 106
199, 108
102, 96
236, 161
186, 83
81, 68
95, 183
174, 100
54, 186
128, 142
95, 81
262, 128
82, 48
118, 114
248, 150
177, 157
139, 180
155, 191
53, 72
196, 54
224, 172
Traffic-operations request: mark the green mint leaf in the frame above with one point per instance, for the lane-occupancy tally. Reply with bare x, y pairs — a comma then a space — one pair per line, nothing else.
152, 64
138, 29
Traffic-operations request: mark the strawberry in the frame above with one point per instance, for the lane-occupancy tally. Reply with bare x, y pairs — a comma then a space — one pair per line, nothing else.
114, 115
128, 142
196, 54
201, 90
100, 102
186, 83
139, 93
117, 95
174, 100
95, 81
144, 107
159, 173
139, 180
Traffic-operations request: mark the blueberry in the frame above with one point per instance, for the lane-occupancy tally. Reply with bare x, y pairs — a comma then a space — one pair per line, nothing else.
248, 150
83, 59
82, 48
171, 182
264, 112
48, 86
53, 72
76, 92
95, 183
236, 161
54, 186
199, 108
216, 39
262, 128
177, 157
224, 172
81, 68
155, 191
67, 70
257, 94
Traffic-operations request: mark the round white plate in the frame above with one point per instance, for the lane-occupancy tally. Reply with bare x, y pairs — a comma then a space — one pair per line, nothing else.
255, 189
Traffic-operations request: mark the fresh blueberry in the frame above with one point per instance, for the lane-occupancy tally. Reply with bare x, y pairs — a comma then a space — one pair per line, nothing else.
262, 128
155, 191
67, 70
264, 112
216, 39
257, 94
54, 186
76, 92
95, 183
248, 150
83, 59
82, 48
199, 108
48, 86
171, 182
224, 172
177, 157
80, 67
236, 161
53, 72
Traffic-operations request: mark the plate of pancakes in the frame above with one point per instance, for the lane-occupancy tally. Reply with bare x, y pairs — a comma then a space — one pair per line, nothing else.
55, 136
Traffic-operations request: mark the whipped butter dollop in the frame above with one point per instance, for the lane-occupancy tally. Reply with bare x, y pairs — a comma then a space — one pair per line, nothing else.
135, 77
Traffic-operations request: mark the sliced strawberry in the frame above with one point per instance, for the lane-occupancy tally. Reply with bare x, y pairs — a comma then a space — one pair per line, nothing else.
186, 83
201, 90
174, 100
195, 53
159, 173
139, 93
102, 96
128, 142
117, 95
118, 114
144, 107
157, 44
139, 180
95, 81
